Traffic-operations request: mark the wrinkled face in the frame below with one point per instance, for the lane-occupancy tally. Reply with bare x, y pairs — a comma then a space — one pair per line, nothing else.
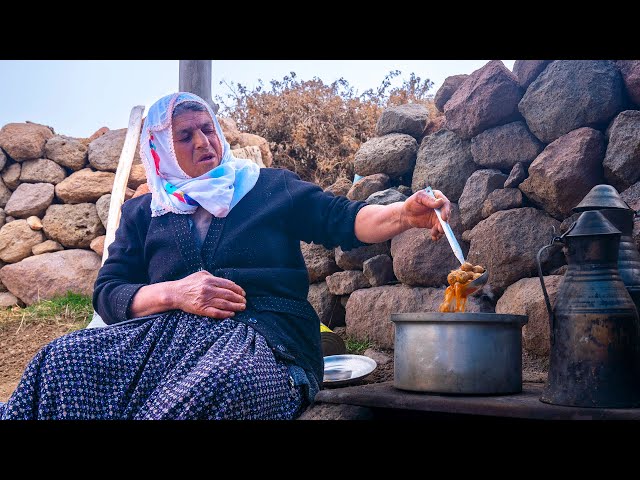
197, 146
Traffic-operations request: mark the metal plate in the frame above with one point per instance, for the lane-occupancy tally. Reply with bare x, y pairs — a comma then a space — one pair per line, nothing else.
346, 369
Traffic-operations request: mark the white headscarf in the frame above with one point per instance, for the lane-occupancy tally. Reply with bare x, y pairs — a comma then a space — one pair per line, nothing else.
172, 190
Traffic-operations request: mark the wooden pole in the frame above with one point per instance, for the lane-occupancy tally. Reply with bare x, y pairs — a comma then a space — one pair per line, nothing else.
195, 77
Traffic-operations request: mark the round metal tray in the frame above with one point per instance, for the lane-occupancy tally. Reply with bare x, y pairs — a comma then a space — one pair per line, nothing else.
342, 370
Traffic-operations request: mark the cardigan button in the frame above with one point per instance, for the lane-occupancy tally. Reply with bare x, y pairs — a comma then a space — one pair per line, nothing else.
253, 320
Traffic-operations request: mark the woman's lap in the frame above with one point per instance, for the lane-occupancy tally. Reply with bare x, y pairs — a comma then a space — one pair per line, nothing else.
176, 366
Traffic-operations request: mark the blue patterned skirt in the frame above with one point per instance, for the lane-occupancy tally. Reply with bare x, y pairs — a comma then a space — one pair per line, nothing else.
172, 366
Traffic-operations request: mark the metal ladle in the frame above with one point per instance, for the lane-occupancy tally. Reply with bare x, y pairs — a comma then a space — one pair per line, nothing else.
474, 285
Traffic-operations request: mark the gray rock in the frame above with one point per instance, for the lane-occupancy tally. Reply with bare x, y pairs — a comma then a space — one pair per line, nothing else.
354, 258
11, 175
102, 207
630, 70
74, 226
138, 176
504, 146
488, 98
622, 159
404, 190
393, 154
3, 217
518, 174
571, 94
566, 171
501, 199
320, 261
448, 88
47, 246
369, 310
367, 186
409, 119
526, 71
30, 199
104, 152
8, 299
328, 307
506, 244
380, 358
420, 261
631, 196
45, 276
66, 151
525, 298
16, 240
5, 194
41, 170
3, 159
379, 270
344, 283
84, 186
386, 197
478, 187
445, 163
24, 141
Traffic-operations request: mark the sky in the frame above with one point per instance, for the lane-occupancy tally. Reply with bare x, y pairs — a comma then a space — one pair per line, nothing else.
77, 97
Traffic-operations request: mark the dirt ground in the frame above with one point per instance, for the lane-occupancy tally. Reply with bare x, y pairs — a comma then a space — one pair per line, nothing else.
19, 342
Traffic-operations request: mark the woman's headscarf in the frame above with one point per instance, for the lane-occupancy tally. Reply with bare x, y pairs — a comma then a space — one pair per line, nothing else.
172, 190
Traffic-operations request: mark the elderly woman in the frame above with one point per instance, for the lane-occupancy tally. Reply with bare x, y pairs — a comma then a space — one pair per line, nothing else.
205, 287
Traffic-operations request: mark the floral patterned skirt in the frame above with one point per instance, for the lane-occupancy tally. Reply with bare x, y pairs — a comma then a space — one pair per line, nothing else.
171, 366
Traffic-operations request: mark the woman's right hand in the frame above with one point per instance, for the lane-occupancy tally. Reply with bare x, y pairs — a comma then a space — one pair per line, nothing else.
202, 293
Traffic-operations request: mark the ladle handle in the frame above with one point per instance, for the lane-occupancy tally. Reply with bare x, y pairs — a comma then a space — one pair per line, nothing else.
546, 295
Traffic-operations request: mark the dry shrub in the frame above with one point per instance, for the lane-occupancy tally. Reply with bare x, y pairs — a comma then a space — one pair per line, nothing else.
315, 129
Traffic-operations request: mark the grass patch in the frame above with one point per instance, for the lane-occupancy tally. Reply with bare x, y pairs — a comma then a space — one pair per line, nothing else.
356, 346
72, 310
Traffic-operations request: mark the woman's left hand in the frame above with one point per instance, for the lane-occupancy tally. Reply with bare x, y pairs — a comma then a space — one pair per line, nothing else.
418, 211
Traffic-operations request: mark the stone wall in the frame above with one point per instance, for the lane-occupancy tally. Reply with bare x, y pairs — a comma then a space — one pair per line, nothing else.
515, 152
55, 192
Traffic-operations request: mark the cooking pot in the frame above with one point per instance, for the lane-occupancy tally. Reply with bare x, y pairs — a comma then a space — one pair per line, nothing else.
458, 353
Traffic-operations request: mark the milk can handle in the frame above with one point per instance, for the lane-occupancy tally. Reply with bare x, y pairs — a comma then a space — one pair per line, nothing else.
554, 240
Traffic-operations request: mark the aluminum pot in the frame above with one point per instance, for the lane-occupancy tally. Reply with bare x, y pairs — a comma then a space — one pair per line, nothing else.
458, 353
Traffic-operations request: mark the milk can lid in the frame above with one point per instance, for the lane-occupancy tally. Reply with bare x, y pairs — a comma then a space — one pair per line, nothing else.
592, 222
601, 196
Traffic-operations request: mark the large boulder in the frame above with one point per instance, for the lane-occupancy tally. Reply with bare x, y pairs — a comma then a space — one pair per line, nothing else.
526, 71
85, 186
420, 261
369, 310
66, 151
30, 199
41, 170
45, 276
137, 176
630, 70
570, 94
507, 243
379, 270
410, 118
488, 98
448, 88
249, 139
445, 163
320, 261
566, 171
74, 226
344, 283
478, 187
24, 141
504, 146
394, 154
104, 152
525, 297
327, 306
16, 241
622, 160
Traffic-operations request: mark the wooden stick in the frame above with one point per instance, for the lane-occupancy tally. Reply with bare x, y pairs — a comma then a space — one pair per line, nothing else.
122, 176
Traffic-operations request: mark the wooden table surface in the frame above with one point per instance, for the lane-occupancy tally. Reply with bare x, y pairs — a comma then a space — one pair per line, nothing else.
525, 405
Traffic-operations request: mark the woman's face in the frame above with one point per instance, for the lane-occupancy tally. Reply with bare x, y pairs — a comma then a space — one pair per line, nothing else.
197, 146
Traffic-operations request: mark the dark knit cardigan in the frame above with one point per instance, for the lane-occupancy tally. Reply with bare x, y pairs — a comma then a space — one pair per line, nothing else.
257, 246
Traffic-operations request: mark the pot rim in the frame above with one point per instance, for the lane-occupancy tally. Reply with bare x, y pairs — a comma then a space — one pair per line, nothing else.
459, 317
